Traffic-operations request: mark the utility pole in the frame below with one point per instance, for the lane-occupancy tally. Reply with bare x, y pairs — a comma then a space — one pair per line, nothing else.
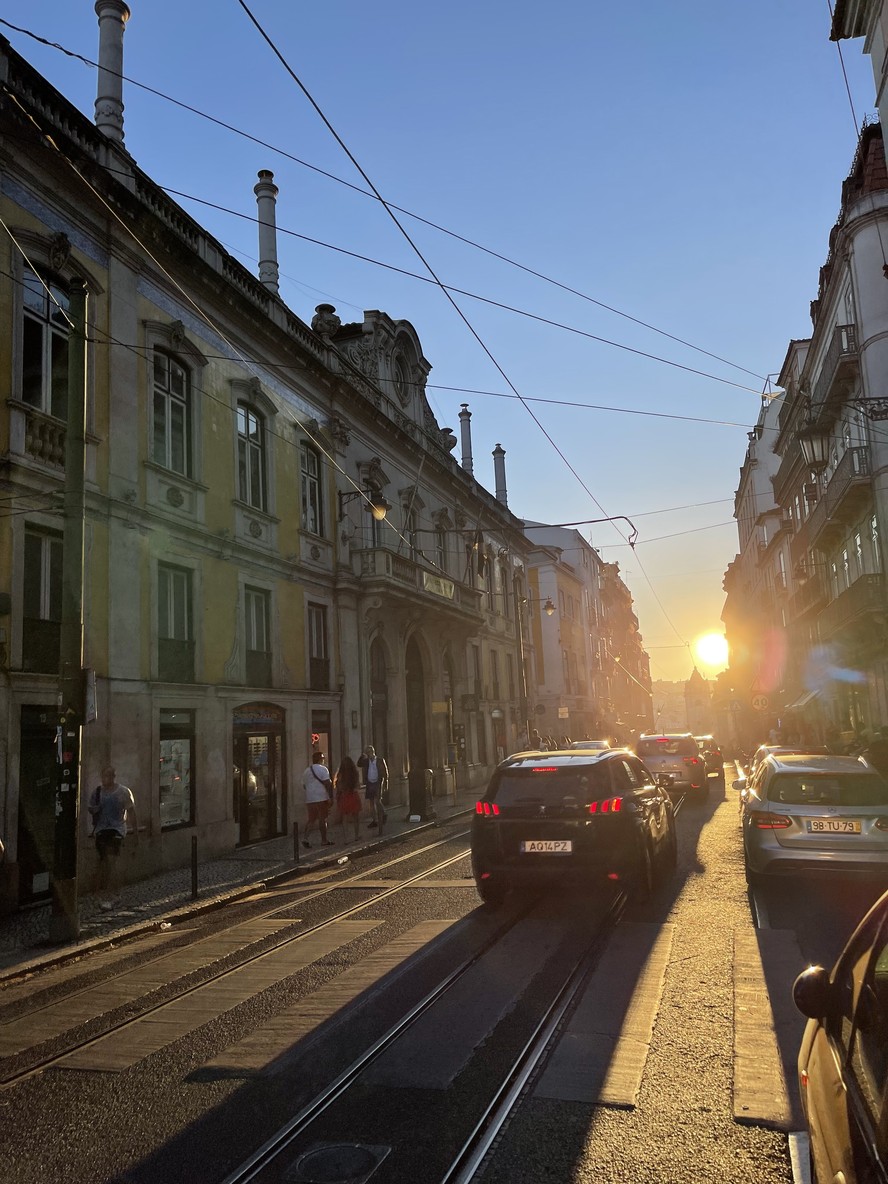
64, 922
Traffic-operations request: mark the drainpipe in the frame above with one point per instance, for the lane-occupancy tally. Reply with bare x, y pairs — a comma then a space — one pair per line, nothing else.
266, 193
113, 15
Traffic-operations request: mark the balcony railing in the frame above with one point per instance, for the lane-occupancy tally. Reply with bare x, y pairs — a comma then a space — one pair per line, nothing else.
810, 594
839, 365
258, 668
319, 674
45, 438
175, 660
866, 595
399, 571
41, 645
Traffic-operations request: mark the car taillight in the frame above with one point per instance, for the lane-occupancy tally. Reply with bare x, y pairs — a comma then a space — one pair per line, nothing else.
606, 806
691, 760
486, 808
764, 820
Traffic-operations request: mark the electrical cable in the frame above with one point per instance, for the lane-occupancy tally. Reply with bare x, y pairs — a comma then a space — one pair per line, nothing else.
364, 193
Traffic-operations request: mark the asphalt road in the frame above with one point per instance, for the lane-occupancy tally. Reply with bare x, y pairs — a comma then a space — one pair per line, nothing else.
676, 1065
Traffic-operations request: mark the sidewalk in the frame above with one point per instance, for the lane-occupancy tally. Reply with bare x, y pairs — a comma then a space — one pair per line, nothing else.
145, 905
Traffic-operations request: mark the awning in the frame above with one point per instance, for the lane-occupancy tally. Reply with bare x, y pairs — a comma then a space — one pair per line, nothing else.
802, 702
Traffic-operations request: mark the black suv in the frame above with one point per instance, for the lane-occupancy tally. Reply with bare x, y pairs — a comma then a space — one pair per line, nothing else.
549, 819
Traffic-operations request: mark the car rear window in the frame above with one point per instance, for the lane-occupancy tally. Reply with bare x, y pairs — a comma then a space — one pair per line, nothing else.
549, 787
814, 789
667, 746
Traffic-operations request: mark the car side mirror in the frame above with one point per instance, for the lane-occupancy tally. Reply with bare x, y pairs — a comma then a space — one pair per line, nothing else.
811, 992
665, 780
740, 783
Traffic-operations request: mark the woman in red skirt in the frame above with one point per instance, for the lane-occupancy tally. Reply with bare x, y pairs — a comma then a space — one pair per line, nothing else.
347, 797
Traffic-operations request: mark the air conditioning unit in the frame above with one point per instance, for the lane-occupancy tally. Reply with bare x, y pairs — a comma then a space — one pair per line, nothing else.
810, 492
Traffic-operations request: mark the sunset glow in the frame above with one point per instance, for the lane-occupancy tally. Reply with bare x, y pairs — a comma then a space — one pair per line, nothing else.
711, 649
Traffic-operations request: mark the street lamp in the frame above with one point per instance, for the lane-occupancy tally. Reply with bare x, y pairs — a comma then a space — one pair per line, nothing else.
374, 502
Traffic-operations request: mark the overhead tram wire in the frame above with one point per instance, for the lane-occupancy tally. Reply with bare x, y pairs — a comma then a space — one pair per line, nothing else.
364, 193
48, 139
449, 288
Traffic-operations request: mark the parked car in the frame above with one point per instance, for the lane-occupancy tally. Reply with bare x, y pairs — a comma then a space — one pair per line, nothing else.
764, 750
591, 745
548, 820
814, 813
677, 754
712, 756
843, 1060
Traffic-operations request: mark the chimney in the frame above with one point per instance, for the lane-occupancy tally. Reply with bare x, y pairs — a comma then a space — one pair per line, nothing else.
266, 193
499, 472
113, 15
465, 431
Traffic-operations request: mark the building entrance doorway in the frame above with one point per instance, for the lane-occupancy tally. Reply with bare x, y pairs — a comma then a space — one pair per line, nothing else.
38, 770
417, 738
258, 770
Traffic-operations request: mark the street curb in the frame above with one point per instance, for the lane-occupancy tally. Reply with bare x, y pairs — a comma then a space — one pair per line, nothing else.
68, 954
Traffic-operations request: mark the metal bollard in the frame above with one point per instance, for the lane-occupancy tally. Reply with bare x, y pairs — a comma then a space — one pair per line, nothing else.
194, 867
295, 842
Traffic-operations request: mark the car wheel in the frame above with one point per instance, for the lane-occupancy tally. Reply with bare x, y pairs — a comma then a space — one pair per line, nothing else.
643, 879
669, 858
492, 894
753, 879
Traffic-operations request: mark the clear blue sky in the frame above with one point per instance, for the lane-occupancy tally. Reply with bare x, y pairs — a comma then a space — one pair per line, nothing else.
681, 163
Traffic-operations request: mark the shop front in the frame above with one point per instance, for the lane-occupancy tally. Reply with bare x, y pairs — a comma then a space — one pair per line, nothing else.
259, 776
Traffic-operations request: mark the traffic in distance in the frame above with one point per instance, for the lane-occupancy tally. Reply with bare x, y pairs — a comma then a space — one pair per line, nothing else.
575, 818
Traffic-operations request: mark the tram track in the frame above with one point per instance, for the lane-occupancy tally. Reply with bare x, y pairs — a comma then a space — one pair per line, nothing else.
273, 1161
40, 1063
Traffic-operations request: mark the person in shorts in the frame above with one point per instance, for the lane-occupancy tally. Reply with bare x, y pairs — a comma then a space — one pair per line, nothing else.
110, 804
318, 794
375, 772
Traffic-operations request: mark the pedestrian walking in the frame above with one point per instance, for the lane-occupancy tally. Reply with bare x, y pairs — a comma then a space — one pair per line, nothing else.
375, 772
110, 804
347, 797
318, 795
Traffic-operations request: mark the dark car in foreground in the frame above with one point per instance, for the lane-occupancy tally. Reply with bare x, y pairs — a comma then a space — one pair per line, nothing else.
578, 818
678, 754
843, 1060
809, 813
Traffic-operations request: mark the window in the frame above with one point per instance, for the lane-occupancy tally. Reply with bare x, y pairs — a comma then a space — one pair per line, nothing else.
45, 345
494, 675
876, 545
42, 602
175, 642
510, 674
250, 457
172, 415
441, 549
257, 606
318, 655
312, 517
176, 769
410, 531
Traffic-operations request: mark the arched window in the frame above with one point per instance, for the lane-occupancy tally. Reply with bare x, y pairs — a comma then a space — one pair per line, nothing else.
45, 344
171, 445
250, 456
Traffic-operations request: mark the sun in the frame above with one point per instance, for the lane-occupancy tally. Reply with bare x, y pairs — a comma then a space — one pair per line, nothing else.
711, 649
